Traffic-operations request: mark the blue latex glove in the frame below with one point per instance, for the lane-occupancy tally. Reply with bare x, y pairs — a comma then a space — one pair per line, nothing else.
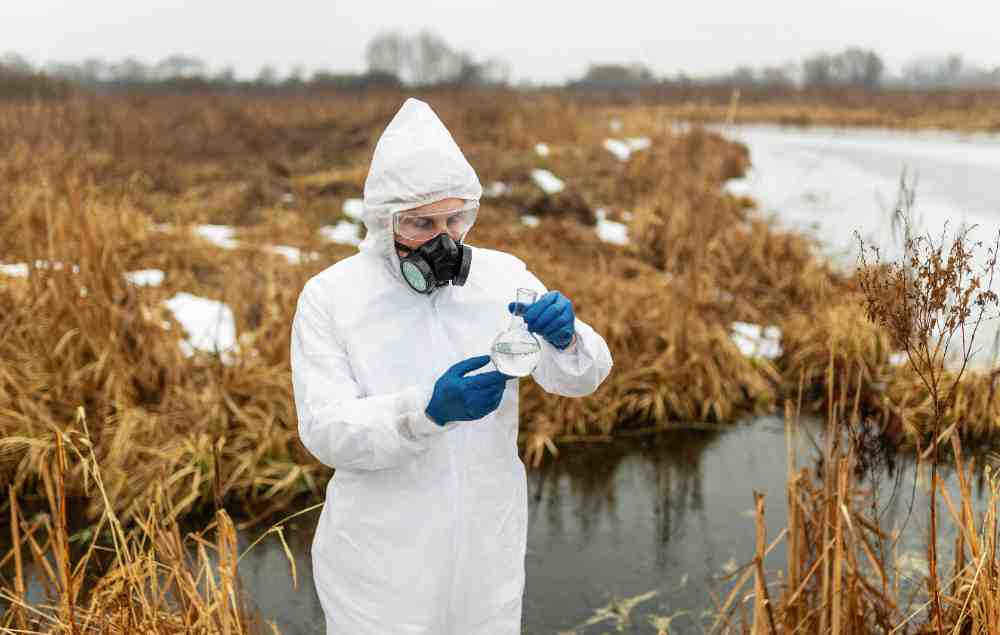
460, 398
552, 317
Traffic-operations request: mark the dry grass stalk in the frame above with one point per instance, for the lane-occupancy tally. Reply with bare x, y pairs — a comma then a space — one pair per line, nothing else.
924, 301
152, 584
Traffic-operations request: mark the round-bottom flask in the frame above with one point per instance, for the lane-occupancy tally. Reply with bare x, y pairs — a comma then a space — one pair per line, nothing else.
516, 351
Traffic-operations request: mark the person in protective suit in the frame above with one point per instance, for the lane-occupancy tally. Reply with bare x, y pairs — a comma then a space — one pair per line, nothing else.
425, 522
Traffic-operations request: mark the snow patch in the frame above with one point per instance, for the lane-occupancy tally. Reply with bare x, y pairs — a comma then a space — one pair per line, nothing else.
293, 255
638, 143
15, 270
610, 231
550, 183
617, 148
530, 221
354, 208
496, 189
209, 325
219, 235
754, 341
542, 149
737, 187
344, 232
623, 149
145, 277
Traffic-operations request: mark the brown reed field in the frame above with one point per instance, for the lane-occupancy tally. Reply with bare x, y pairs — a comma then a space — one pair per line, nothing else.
85, 181
966, 110
94, 187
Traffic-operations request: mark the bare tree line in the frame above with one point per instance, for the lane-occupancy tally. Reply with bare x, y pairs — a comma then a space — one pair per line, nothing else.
425, 59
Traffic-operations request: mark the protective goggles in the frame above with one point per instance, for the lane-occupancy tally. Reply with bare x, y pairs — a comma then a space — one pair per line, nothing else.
421, 226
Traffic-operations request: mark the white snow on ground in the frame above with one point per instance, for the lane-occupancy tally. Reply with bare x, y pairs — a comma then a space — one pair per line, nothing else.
638, 143
618, 148
15, 270
354, 208
344, 232
615, 125
899, 358
832, 182
530, 221
293, 255
220, 235
55, 266
737, 187
680, 127
623, 149
550, 183
610, 231
209, 325
496, 189
145, 277
20, 269
542, 149
753, 341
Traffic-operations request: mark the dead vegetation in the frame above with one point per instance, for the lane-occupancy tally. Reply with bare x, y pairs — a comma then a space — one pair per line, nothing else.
85, 182
842, 573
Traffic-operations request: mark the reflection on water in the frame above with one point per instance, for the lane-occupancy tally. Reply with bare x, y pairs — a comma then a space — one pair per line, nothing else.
666, 513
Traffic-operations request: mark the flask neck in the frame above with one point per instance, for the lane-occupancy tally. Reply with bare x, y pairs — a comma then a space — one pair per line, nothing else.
517, 322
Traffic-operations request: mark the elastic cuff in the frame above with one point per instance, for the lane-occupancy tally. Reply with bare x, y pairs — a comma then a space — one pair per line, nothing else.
419, 423
575, 359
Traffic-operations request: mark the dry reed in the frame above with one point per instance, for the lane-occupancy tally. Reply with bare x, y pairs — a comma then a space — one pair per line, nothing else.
82, 183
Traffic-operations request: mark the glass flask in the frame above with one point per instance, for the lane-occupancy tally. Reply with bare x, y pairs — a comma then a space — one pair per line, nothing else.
516, 351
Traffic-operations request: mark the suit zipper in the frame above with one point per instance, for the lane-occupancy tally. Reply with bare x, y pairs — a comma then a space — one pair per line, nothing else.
458, 486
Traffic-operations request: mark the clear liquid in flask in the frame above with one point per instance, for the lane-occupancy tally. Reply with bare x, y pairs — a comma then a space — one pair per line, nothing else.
516, 351
517, 359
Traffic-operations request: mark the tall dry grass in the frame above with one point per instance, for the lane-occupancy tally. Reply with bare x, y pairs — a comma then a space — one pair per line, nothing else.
145, 579
83, 182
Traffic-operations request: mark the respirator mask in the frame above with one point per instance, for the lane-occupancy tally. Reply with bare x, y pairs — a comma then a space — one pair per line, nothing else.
441, 260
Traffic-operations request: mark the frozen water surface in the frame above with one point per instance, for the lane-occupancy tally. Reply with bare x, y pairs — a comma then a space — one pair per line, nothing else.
832, 182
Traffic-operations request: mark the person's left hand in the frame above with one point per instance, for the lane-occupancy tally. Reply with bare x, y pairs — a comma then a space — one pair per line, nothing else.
552, 317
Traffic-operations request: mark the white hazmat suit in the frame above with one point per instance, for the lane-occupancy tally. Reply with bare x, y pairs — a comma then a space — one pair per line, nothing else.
424, 526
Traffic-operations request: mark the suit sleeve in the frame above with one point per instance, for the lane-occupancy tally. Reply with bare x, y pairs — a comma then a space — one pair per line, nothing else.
340, 426
579, 369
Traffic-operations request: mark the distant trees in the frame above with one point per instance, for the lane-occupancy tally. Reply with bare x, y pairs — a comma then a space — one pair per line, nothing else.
785, 76
948, 71
854, 67
395, 59
616, 75
18, 80
425, 59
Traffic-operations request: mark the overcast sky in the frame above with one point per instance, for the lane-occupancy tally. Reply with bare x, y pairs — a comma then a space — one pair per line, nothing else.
542, 40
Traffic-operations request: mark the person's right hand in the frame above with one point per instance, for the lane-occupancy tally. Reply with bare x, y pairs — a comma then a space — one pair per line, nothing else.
460, 398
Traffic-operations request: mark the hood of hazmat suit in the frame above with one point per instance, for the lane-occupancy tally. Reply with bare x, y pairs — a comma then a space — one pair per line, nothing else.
424, 526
